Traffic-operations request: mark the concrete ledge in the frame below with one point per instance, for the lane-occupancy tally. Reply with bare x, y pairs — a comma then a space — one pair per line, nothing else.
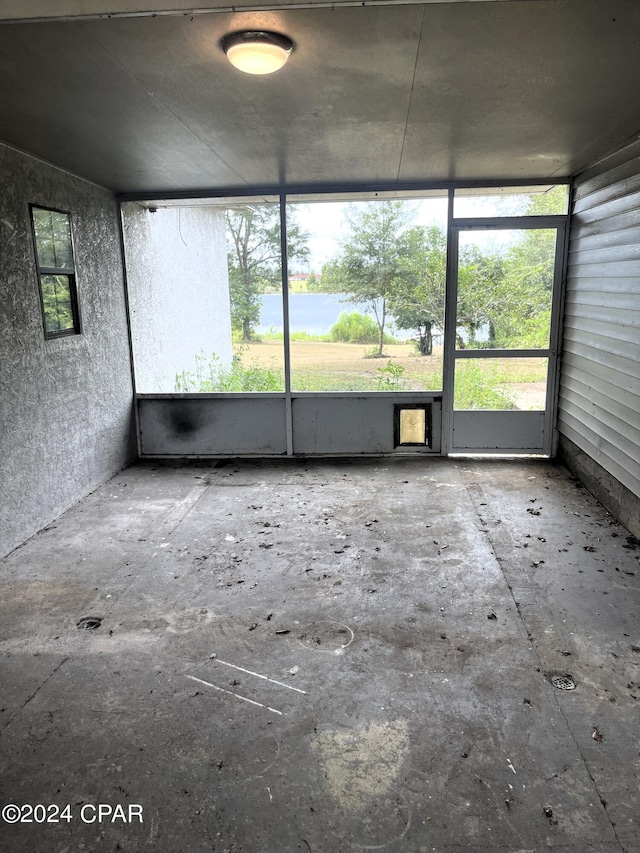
618, 499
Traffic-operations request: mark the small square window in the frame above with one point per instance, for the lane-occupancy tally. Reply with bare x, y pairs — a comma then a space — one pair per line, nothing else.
412, 426
56, 271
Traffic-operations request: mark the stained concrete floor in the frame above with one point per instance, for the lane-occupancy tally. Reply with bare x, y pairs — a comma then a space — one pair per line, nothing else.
325, 657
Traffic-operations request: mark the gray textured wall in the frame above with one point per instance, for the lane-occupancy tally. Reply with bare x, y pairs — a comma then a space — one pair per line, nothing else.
599, 407
65, 404
178, 291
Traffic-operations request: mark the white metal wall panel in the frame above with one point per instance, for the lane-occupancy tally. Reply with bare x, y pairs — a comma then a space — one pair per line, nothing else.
517, 432
599, 405
356, 424
256, 424
206, 425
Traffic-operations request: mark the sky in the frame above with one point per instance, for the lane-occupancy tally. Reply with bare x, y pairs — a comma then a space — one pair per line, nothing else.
324, 221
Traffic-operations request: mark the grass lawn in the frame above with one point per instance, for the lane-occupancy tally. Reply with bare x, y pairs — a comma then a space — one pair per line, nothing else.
319, 366
322, 366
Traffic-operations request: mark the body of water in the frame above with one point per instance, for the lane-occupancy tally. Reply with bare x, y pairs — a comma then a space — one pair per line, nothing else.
314, 313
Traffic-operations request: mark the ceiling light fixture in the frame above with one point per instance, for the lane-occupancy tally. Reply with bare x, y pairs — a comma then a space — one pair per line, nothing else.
257, 51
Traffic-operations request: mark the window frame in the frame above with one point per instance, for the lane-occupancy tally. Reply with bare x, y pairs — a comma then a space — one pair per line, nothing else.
68, 273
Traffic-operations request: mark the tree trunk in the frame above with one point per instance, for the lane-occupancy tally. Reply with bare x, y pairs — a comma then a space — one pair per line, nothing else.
246, 320
381, 323
425, 340
246, 329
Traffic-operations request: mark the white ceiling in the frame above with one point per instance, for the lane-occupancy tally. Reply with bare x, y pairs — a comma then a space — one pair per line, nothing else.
372, 94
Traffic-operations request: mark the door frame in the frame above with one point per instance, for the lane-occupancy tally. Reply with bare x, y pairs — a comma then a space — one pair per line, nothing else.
538, 424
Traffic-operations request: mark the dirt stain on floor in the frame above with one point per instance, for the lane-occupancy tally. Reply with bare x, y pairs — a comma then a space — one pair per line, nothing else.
362, 764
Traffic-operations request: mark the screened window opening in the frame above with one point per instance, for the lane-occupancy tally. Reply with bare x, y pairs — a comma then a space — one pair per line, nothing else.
205, 293
511, 201
357, 307
505, 288
501, 384
56, 271
366, 300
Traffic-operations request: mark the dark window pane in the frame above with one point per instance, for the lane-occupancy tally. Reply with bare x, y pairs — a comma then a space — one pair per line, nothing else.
44, 237
53, 239
62, 240
56, 298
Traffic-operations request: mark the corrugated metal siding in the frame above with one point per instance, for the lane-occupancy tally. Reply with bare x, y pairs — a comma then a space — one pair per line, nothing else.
599, 404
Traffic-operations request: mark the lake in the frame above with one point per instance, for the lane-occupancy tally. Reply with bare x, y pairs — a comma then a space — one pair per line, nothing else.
314, 313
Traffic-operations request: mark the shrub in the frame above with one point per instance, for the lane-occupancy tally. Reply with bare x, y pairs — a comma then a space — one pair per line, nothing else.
354, 328
390, 377
477, 389
210, 376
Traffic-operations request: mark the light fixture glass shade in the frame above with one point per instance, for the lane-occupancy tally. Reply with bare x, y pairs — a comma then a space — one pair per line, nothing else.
257, 52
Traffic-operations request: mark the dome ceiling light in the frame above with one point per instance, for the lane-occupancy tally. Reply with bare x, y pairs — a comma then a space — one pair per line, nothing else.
257, 51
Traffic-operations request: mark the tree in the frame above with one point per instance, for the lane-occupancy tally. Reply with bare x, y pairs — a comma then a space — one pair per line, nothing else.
510, 291
529, 269
254, 259
483, 297
418, 300
313, 284
372, 262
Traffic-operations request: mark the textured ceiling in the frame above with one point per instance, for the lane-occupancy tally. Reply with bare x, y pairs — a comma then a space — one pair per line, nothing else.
372, 94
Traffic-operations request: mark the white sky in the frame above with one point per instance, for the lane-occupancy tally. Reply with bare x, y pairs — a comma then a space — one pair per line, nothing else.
324, 221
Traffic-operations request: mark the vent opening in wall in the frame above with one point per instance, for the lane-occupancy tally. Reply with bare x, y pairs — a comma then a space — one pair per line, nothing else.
412, 425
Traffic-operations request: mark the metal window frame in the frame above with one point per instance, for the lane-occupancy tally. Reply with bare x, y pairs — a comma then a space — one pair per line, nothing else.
70, 275
453, 227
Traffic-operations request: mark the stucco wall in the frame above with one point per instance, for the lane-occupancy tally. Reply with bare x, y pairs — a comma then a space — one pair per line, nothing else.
178, 291
65, 404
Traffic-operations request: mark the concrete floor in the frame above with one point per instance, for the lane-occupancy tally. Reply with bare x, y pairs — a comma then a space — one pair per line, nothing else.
325, 657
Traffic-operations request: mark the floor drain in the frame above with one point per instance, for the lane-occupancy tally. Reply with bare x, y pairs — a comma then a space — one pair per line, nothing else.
90, 623
563, 682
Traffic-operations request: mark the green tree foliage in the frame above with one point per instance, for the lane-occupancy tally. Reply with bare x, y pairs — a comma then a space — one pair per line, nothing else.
373, 260
314, 284
417, 302
509, 292
482, 294
524, 319
56, 299
529, 269
254, 259
552, 202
